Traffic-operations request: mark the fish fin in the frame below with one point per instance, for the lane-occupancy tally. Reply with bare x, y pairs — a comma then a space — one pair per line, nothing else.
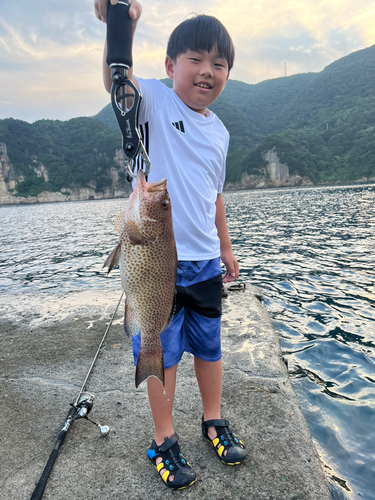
113, 258
135, 236
149, 364
118, 221
149, 230
131, 325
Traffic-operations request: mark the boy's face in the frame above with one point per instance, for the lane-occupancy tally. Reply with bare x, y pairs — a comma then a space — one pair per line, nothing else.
198, 77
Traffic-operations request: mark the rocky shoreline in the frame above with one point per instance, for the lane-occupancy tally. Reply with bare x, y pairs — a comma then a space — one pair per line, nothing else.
274, 175
40, 377
247, 183
78, 194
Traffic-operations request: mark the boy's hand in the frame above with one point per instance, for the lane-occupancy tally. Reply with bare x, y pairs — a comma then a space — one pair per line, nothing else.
100, 7
232, 267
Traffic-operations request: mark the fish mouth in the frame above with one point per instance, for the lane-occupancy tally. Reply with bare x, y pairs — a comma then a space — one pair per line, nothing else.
153, 187
143, 192
141, 181
141, 185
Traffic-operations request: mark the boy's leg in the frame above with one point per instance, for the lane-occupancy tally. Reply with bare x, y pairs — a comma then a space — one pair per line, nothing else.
209, 376
161, 402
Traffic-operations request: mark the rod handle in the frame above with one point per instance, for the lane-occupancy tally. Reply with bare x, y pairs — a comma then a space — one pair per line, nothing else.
119, 35
39, 489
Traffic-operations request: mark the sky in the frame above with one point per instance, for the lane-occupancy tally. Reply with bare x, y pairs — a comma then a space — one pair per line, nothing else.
51, 50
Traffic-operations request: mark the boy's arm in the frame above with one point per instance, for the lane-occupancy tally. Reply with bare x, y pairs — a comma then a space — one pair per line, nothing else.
226, 253
135, 11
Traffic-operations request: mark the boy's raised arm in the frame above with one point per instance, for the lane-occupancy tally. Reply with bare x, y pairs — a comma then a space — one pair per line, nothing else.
135, 11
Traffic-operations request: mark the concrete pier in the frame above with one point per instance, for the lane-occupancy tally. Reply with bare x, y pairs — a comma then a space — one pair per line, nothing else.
41, 372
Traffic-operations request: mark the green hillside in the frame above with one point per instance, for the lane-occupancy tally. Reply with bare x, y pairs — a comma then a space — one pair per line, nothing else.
74, 152
322, 125
327, 131
263, 103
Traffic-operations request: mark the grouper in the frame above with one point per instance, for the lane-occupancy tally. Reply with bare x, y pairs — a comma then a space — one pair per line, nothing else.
147, 256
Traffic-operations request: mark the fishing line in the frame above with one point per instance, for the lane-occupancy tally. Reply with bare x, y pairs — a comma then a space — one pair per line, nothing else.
97, 354
80, 408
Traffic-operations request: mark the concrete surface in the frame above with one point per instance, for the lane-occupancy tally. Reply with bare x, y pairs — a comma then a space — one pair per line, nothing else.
42, 370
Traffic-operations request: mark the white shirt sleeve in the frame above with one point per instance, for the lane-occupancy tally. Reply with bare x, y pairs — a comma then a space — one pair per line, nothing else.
221, 179
154, 96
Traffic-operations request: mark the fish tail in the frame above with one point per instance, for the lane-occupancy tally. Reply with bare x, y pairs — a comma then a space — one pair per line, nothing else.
113, 258
150, 363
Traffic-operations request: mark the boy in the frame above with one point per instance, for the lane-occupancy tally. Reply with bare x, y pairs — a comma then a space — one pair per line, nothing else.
188, 146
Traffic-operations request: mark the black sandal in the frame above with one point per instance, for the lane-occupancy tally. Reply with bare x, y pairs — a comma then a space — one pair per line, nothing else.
225, 439
173, 462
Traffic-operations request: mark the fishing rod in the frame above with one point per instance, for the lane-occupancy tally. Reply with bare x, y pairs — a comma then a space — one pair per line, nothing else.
80, 408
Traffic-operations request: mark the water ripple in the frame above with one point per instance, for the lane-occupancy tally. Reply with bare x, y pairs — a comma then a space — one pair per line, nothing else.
310, 250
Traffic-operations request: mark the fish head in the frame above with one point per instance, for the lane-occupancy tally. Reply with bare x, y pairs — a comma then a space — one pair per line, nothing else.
149, 209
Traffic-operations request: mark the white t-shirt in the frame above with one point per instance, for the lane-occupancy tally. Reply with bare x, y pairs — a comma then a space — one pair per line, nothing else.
189, 150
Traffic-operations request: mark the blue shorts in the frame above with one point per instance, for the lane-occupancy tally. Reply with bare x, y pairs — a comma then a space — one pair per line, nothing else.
195, 326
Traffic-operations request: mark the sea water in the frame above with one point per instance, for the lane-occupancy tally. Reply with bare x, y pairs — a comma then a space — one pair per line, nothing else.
311, 251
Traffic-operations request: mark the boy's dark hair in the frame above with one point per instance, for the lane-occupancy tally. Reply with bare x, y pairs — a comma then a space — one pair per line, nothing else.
201, 33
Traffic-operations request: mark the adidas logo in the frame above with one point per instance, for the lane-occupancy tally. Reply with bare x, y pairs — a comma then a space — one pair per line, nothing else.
179, 126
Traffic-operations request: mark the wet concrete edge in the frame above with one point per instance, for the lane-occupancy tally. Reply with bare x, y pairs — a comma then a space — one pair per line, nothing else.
41, 371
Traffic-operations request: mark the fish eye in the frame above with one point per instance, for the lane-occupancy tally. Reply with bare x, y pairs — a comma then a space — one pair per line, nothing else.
165, 203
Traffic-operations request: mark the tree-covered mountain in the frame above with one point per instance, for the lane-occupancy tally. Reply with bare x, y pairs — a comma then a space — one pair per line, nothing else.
325, 128
71, 153
321, 125
318, 126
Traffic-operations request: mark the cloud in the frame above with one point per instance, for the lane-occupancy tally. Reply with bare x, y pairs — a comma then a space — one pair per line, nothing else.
50, 62
307, 37
51, 51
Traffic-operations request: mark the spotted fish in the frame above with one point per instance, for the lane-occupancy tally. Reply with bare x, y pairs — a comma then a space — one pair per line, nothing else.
148, 264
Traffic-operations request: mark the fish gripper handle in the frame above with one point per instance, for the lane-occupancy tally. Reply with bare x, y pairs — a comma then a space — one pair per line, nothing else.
128, 120
119, 40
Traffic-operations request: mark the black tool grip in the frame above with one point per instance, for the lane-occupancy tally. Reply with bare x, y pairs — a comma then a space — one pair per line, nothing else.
119, 35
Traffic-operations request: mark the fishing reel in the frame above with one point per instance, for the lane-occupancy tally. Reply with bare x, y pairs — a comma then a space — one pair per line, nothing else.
83, 407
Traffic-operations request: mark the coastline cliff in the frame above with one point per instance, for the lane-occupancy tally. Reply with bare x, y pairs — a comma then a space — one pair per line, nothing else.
303, 130
275, 174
